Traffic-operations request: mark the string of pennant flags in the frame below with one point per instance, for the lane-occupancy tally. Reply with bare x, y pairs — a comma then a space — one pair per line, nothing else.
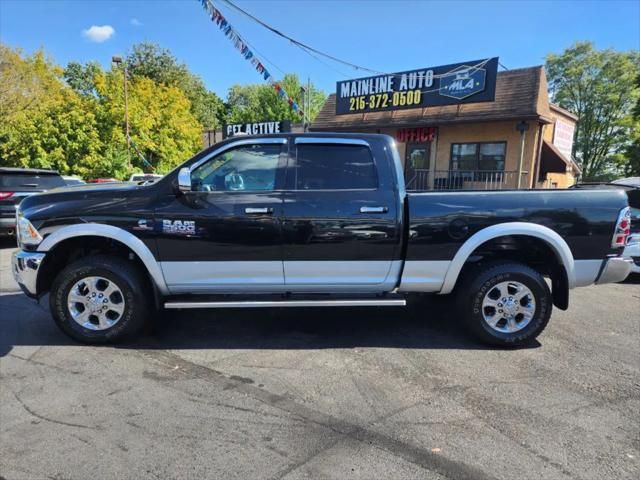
242, 46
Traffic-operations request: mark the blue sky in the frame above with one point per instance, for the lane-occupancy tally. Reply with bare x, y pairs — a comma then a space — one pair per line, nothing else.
383, 35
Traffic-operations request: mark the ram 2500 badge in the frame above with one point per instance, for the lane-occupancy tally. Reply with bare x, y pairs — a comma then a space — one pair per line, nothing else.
312, 220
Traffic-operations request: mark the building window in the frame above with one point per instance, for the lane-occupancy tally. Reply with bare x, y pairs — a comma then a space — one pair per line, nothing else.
478, 156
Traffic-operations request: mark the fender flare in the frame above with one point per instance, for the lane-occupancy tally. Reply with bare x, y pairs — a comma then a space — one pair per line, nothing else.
115, 233
551, 238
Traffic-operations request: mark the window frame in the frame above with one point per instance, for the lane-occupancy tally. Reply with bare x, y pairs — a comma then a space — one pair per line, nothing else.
477, 156
280, 166
290, 180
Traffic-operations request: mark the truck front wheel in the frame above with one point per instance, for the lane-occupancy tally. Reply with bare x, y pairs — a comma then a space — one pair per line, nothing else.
505, 303
99, 299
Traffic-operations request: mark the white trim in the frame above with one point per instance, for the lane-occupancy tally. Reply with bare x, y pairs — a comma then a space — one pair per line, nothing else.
212, 276
330, 272
555, 241
423, 276
586, 272
109, 231
267, 276
290, 303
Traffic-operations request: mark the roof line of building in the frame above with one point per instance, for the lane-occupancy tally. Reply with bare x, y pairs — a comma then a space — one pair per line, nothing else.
564, 111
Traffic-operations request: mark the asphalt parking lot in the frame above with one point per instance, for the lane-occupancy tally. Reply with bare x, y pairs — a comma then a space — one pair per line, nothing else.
329, 393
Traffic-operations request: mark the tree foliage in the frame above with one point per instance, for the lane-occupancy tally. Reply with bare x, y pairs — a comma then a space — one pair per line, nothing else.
44, 123
73, 119
158, 64
81, 78
252, 103
631, 158
599, 86
162, 127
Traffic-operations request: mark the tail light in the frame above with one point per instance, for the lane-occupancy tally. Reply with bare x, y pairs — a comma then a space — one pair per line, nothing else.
623, 228
5, 195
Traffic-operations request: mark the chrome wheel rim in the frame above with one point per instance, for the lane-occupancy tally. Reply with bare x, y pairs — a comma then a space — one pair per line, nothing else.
508, 307
95, 303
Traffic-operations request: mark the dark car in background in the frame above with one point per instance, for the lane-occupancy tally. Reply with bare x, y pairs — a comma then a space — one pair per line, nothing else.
17, 183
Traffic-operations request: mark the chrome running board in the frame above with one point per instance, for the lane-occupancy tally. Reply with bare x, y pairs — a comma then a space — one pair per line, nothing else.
379, 302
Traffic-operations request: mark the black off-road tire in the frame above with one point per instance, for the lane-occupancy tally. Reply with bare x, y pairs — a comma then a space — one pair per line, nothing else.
479, 280
128, 278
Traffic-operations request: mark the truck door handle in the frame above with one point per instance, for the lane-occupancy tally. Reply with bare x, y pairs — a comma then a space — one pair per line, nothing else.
374, 209
258, 210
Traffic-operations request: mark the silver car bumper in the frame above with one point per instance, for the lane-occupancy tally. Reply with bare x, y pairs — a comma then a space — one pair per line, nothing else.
25, 267
616, 269
632, 250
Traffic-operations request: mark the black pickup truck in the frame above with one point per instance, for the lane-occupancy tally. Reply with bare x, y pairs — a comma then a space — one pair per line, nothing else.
312, 220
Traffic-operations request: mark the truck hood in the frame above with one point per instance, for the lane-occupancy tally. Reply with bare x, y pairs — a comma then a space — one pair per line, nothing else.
72, 203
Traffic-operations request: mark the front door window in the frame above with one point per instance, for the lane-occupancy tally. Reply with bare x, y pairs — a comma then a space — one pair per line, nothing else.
246, 168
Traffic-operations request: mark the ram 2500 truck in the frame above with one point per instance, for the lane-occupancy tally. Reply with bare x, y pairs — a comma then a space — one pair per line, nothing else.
312, 220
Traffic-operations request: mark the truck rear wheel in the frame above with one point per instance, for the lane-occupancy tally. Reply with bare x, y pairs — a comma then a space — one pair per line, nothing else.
99, 299
505, 303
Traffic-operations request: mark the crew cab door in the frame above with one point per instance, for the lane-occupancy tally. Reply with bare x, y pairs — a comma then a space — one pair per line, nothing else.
225, 235
341, 217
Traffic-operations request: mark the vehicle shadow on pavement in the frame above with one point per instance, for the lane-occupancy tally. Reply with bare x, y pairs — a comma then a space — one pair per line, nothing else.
426, 323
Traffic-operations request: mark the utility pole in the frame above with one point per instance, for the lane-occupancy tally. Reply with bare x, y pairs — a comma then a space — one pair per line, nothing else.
303, 92
118, 60
126, 113
307, 109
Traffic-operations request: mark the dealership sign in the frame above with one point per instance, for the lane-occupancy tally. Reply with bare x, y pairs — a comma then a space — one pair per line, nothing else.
467, 82
256, 128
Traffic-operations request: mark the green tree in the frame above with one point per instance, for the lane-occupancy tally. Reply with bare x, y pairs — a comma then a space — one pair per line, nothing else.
161, 124
81, 78
46, 125
599, 87
151, 61
631, 159
252, 103
25, 81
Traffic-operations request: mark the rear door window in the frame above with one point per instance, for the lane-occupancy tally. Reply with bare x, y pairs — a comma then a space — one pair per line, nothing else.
30, 181
332, 167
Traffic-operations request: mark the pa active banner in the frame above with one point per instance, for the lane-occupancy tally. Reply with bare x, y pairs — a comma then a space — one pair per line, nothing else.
466, 82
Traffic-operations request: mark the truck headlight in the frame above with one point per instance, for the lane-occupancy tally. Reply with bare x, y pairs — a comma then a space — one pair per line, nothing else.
26, 232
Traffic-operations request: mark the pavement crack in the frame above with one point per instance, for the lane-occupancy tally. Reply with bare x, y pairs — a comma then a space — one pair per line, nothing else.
30, 359
428, 460
50, 420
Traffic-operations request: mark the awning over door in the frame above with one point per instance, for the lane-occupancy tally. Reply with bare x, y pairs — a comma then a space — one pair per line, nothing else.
553, 160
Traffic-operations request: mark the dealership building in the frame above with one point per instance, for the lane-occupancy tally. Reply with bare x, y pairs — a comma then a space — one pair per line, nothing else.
462, 126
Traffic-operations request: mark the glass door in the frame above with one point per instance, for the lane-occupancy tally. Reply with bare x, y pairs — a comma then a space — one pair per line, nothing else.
416, 166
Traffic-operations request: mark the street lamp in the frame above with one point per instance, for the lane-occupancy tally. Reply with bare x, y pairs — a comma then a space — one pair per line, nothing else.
119, 61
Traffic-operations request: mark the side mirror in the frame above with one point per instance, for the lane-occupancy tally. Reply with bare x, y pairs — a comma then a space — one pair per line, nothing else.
184, 179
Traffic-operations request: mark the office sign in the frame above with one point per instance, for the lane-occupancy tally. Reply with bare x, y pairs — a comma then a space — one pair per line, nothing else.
256, 128
466, 82
415, 134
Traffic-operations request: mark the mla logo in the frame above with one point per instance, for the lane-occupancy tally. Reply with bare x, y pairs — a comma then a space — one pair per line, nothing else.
463, 82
